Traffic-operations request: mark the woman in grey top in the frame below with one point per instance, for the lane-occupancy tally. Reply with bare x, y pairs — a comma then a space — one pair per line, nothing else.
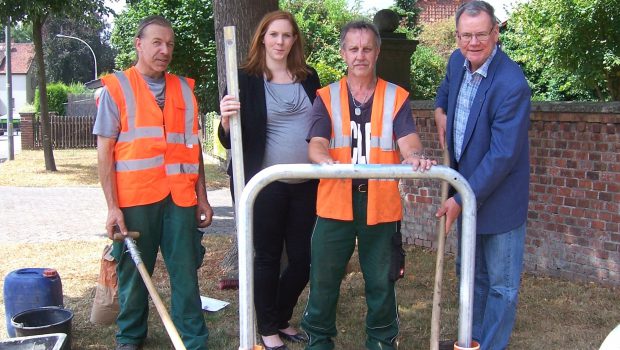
276, 90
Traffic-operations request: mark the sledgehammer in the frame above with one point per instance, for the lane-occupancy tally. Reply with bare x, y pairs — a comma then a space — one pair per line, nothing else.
159, 305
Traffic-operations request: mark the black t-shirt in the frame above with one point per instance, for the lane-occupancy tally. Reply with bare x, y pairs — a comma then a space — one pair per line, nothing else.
321, 126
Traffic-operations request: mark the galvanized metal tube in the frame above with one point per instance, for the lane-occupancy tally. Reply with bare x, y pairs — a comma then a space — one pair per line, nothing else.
246, 325
308, 171
232, 84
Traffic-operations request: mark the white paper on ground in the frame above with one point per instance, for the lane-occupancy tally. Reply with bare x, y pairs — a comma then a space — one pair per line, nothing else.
210, 304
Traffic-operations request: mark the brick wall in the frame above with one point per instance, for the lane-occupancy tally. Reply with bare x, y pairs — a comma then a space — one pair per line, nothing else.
573, 228
436, 10
26, 126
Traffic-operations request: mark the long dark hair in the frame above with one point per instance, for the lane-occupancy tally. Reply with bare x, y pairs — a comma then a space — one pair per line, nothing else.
256, 64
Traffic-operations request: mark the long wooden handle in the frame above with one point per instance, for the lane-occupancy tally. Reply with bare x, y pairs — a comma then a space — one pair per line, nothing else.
159, 305
441, 242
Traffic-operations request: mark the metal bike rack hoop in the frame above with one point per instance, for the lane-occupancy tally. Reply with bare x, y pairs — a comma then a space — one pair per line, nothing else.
247, 334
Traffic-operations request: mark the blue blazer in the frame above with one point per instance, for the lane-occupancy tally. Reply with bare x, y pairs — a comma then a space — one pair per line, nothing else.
495, 154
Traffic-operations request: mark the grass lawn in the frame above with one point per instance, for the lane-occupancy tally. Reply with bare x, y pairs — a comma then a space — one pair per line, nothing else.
75, 167
553, 313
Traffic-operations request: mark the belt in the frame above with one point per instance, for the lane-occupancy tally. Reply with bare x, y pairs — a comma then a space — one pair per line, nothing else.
363, 188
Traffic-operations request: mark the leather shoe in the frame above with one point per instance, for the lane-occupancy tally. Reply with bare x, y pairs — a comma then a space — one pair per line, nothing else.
280, 347
124, 346
446, 344
294, 338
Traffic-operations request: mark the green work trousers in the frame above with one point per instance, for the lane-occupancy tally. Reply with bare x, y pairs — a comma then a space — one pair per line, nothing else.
173, 229
333, 243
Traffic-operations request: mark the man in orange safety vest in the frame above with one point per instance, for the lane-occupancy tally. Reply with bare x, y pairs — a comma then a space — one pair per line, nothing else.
152, 175
360, 119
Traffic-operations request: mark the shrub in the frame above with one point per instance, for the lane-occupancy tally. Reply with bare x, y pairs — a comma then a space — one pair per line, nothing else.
56, 98
77, 88
427, 71
327, 74
439, 36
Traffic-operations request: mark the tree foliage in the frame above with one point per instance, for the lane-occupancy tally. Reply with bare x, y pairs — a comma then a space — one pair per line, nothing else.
409, 13
36, 12
20, 33
194, 51
320, 23
68, 51
563, 44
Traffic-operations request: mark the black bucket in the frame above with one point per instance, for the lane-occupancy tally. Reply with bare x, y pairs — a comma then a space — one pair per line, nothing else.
44, 320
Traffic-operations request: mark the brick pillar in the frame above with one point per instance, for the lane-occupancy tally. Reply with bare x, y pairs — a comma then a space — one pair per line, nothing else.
27, 129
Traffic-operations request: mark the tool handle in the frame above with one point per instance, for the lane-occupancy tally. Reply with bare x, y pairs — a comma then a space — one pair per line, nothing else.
119, 236
159, 305
441, 242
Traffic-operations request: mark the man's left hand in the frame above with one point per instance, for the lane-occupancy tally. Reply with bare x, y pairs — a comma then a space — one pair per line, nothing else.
419, 162
451, 209
204, 214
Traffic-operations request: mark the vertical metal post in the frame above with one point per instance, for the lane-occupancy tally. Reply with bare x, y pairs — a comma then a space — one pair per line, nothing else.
9, 92
369, 171
246, 326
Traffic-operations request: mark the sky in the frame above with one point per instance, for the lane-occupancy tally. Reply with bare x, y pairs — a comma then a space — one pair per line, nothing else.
501, 6
368, 5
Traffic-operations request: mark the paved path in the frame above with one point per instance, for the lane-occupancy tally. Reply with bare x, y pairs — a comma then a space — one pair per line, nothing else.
4, 146
32, 214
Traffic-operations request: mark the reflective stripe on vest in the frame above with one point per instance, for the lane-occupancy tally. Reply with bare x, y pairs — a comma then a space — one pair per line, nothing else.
139, 164
190, 139
181, 168
385, 141
339, 139
132, 132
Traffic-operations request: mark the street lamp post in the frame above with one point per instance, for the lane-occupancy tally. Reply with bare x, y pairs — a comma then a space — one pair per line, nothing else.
84, 42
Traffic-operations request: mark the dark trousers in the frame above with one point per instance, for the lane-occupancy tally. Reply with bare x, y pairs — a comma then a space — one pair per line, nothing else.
333, 243
166, 226
284, 215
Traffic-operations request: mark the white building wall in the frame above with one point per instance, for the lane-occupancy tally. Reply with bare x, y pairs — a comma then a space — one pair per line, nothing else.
21, 92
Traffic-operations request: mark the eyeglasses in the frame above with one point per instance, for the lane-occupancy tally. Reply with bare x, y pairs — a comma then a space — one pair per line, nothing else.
482, 37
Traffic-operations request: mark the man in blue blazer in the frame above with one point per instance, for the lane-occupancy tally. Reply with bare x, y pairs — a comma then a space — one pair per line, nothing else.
482, 116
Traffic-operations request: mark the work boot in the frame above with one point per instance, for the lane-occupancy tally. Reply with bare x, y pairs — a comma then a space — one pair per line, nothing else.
127, 346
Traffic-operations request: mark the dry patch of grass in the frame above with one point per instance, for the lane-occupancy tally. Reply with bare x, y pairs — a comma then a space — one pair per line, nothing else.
553, 314
76, 167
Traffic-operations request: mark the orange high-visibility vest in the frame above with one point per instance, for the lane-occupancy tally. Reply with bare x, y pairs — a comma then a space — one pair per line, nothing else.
157, 152
335, 197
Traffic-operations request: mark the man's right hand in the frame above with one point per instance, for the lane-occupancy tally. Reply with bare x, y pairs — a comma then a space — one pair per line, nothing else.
441, 121
115, 218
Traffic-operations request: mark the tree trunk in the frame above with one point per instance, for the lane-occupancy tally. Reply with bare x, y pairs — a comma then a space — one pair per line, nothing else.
37, 24
245, 16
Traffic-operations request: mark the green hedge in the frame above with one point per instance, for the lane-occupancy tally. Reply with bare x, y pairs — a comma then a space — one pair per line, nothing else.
57, 96
427, 71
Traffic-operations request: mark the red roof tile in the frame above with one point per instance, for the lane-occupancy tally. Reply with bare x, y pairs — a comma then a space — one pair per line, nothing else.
22, 56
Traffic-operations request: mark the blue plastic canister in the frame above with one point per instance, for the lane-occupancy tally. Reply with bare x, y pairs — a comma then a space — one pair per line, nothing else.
29, 288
